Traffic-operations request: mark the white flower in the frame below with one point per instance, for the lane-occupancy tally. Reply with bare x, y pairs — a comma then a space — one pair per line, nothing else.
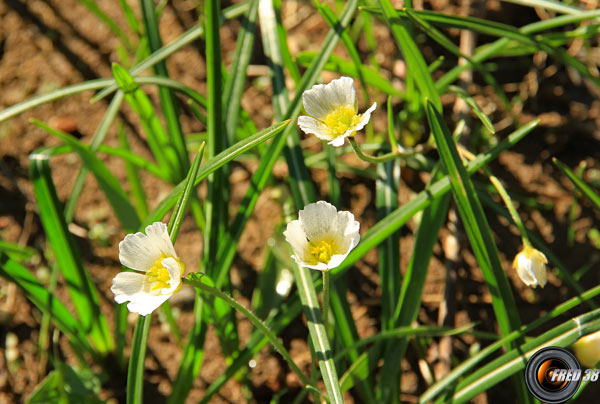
322, 237
153, 255
333, 111
587, 349
531, 266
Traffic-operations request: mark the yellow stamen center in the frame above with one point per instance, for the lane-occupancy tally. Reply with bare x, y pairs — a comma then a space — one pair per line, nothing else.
321, 251
158, 277
340, 120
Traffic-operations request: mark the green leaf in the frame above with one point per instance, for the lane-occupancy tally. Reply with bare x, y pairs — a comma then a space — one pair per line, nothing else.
466, 97
157, 138
234, 85
99, 136
585, 189
45, 301
408, 303
449, 380
382, 229
299, 177
167, 99
415, 62
515, 360
214, 164
81, 288
117, 198
111, 24
476, 225
478, 231
16, 251
67, 385
552, 5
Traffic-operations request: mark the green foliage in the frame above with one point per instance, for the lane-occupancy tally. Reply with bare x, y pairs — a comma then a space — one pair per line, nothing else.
341, 355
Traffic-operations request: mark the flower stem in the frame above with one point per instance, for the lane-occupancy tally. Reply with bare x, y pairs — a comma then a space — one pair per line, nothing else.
384, 157
505, 198
325, 298
511, 207
253, 319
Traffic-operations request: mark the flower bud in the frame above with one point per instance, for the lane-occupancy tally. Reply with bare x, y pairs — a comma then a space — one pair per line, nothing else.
530, 264
587, 349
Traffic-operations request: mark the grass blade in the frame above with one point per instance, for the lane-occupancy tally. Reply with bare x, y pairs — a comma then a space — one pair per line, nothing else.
81, 288
93, 7
316, 328
215, 204
45, 301
117, 198
586, 190
515, 360
557, 6
460, 370
409, 299
214, 164
167, 99
414, 60
475, 223
159, 143
479, 233
234, 85
97, 140
135, 371
133, 176
135, 374
397, 218
466, 97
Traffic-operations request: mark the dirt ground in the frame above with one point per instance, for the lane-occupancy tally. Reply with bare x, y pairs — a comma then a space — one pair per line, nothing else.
48, 44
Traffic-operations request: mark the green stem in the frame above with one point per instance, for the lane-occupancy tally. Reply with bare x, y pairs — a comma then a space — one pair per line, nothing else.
504, 195
384, 157
253, 319
509, 204
326, 301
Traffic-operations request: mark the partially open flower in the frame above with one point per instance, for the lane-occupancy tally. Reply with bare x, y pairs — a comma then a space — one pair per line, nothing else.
530, 264
160, 270
322, 237
333, 111
587, 350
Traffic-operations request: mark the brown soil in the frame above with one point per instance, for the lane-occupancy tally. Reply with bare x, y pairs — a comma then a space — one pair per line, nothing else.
48, 44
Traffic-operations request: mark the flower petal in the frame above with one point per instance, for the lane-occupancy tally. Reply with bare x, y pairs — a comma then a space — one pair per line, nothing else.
127, 284
175, 275
322, 99
159, 237
318, 220
347, 230
321, 266
365, 117
539, 269
294, 234
144, 304
339, 141
137, 253
140, 251
128, 287
310, 125
524, 270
